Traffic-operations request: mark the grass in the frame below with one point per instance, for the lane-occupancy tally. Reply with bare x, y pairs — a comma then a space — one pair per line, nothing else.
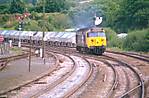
16, 50
7, 28
115, 49
122, 50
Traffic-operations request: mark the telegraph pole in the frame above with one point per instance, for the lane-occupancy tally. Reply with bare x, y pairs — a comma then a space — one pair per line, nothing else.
30, 54
29, 63
43, 34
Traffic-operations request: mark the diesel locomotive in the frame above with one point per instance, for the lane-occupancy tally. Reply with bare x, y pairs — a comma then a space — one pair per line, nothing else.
91, 40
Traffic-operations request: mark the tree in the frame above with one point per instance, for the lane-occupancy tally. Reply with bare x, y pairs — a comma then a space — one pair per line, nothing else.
52, 6
133, 14
59, 21
108, 9
17, 6
137, 40
123, 15
32, 26
4, 8
45, 25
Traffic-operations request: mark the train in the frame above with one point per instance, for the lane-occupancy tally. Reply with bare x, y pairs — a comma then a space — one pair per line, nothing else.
60, 39
91, 40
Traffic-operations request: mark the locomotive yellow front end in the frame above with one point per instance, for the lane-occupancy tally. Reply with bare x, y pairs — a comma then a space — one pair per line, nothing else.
96, 40
92, 40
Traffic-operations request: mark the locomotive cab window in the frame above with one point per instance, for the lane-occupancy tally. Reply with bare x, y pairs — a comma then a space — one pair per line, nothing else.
95, 34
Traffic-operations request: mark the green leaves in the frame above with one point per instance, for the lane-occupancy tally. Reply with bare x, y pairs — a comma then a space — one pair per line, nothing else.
133, 14
4, 8
123, 15
52, 21
52, 6
137, 40
17, 6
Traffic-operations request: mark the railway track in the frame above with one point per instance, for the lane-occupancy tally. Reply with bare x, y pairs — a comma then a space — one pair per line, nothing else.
5, 60
112, 83
125, 81
131, 85
120, 80
15, 89
65, 70
133, 55
66, 88
69, 72
135, 87
134, 81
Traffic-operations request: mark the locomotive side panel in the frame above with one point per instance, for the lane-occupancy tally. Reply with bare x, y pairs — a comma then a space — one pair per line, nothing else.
81, 39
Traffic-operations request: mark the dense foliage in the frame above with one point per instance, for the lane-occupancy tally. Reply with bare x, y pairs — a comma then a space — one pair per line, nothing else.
123, 15
57, 20
112, 39
54, 21
137, 40
52, 5
129, 16
17, 6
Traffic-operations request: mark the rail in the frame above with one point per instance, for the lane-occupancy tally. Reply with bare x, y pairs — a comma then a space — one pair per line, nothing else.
5, 60
85, 80
137, 74
145, 58
30, 81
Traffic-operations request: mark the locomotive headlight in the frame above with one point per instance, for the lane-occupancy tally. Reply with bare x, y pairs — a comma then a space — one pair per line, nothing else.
102, 41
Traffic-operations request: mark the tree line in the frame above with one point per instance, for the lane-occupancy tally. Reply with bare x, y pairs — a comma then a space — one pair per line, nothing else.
124, 15
55, 10
19, 6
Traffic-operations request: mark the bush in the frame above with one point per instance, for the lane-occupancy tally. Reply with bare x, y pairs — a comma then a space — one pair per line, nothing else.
59, 21
7, 21
137, 41
32, 26
45, 25
112, 39
51, 21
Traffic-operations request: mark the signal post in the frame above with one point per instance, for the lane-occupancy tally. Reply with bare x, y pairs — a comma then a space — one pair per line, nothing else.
1, 41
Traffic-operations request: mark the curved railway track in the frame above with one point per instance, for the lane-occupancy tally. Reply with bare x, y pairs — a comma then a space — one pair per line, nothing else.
120, 80
59, 76
71, 71
66, 88
86, 78
140, 83
62, 84
133, 55
5, 60
129, 88
14, 90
